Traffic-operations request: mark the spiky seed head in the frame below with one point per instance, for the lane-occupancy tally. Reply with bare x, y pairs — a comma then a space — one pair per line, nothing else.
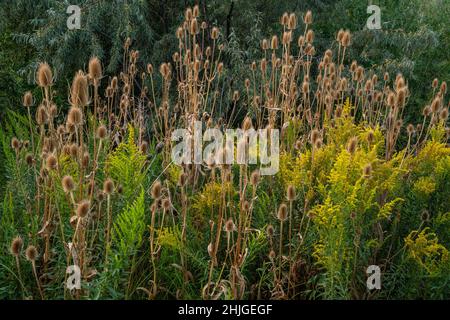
194, 28
307, 19
435, 105
346, 38
115, 83
74, 150
214, 33
291, 193
188, 14
282, 212
352, 144
68, 184
399, 82
272, 255
274, 43
310, 36
51, 162
410, 129
79, 94
367, 171
318, 143
425, 216
15, 144
339, 35
164, 69
247, 124
31, 253
156, 190
443, 115
102, 132
292, 24
166, 204
255, 177
83, 208
270, 231
426, 111
196, 11
144, 147
108, 186
16, 246
229, 225
44, 76
443, 88
41, 115
85, 160
95, 69
29, 159
315, 135
246, 206
75, 116
435, 83
27, 100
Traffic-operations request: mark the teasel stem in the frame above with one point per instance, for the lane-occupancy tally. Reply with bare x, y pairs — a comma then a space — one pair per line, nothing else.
108, 227
33, 263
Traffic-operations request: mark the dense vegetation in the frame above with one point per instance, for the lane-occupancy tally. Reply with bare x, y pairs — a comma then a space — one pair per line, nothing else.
88, 178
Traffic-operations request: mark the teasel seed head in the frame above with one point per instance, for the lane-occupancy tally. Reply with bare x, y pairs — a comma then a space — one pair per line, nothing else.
282, 212
83, 208
443, 115
196, 11
51, 162
318, 143
79, 94
410, 129
307, 19
108, 186
194, 29
75, 116
16, 246
367, 171
31, 253
426, 111
166, 204
74, 150
182, 179
272, 255
102, 132
15, 144
315, 135
44, 76
310, 36
115, 83
292, 24
435, 83
41, 115
247, 124
291, 193
29, 159
270, 231
229, 226
352, 144
255, 177
443, 88
68, 184
214, 33
27, 100
436, 104
156, 190
346, 38
95, 69
85, 160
